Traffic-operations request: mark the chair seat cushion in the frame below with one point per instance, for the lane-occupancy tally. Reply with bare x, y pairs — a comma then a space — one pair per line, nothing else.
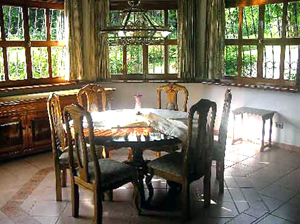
218, 152
113, 173
171, 163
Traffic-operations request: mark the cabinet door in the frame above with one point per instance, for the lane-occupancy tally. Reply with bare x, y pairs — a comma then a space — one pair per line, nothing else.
38, 129
12, 134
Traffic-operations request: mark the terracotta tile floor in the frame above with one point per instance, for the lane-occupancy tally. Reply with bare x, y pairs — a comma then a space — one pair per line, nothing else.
260, 188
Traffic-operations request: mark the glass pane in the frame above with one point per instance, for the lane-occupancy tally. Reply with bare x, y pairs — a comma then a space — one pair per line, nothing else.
58, 56
292, 63
57, 24
273, 20
172, 23
16, 63
173, 59
2, 75
13, 23
231, 23
158, 17
156, 59
116, 59
250, 22
37, 24
271, 66
230, 60
134, 59
293, 19
116, 18
249, 61
39, 60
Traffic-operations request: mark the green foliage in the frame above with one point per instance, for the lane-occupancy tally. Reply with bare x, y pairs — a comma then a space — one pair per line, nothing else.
293, 19
13, 23
230, 60
273, 20
39, 56
249, 61
57, 24
16, 63
156, 59
173, 59
2, 76
250, 22
37, 24
58, 55
231, 23
116, 59
134, 59
172, 23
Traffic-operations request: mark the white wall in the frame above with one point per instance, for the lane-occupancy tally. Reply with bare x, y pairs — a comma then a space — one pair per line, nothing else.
287, 105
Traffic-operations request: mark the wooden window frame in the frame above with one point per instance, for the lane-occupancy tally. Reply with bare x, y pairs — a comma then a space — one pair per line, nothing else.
260, 42
146, 75
27, 43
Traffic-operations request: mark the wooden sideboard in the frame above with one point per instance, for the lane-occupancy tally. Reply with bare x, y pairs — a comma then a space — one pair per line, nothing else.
24, 123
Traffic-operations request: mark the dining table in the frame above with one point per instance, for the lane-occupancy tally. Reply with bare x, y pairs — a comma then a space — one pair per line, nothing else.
146, 128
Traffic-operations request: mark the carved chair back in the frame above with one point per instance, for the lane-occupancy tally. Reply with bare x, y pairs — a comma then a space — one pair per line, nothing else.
95, 96
225, 117
200, 139
78, 143
58, 134
172, 89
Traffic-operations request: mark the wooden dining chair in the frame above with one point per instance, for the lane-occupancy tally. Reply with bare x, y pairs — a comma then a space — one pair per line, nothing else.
59, 149
194, 161
172, 90
95, 98
220, 145
98, 175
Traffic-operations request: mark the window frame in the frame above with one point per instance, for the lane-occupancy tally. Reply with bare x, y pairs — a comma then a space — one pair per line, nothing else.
27, 44
260, 42
146, 75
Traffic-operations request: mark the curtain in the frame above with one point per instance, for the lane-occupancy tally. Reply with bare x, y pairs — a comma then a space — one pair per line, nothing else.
215, 37
74, 29
201, 25
99, 51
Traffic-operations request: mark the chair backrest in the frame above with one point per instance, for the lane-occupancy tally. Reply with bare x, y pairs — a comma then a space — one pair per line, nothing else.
58, 134
172, 89
224, 120
95, 96
200, 138
81, 142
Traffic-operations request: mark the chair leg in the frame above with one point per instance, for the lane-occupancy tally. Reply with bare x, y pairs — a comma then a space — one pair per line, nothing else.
149, 186
217, 170
58, 183
207, 193
221, 177
98, 209
64, 178
157, 154
75, 199
185, 201
136, 199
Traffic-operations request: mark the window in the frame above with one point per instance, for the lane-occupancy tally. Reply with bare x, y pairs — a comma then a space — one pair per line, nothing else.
156, 61
32, 47
262, 43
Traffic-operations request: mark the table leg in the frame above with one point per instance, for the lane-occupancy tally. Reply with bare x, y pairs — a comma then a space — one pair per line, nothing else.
270, 133
233, 139
242, 125
139, 163
263, 136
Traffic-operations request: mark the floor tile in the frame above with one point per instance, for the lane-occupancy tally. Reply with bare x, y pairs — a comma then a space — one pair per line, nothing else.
242, 218
271, 219
257, 209
279, 193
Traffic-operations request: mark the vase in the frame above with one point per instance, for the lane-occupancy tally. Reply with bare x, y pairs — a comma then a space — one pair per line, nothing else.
138, 102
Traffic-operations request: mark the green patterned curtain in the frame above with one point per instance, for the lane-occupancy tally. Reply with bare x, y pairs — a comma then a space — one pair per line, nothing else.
99, 51
74, 21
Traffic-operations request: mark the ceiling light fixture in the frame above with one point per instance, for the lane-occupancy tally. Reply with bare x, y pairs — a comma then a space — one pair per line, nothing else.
137, 28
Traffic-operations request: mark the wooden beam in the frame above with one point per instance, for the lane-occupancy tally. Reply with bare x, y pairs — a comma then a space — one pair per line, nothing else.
240, 3
149, 5
35, 4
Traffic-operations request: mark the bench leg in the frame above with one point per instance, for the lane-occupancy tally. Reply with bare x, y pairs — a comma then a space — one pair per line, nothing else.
270, 133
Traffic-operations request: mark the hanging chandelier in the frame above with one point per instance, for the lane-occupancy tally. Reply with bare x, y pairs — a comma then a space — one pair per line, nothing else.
137, 28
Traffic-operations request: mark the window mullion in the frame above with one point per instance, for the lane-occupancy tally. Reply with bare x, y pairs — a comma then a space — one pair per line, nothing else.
145, 61
260, 41
5, 62
27, 41
240, 45
48, 39
283, 37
